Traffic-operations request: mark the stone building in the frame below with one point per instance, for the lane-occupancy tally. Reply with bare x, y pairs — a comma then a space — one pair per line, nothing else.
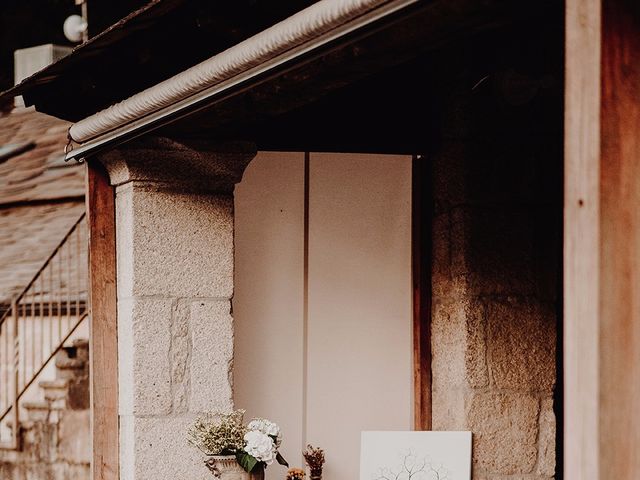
362, 214
41, 199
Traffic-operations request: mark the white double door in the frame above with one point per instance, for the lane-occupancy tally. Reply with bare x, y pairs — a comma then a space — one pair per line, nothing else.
322, 303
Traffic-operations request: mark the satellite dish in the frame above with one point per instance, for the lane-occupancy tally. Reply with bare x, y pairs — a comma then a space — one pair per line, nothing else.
74, 28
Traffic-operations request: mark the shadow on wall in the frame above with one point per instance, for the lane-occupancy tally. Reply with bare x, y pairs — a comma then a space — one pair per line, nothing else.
497, 241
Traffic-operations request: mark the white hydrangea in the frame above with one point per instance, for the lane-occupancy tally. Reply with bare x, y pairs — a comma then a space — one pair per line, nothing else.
260, 446
267, 427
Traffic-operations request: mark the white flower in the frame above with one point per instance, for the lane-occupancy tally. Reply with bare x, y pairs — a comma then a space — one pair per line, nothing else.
271, 429
256, 424
260, 446
265, 426
268, 428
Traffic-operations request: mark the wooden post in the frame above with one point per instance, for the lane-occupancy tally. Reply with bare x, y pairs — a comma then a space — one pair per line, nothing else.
602, 240
421, 266
104, 341
620, 241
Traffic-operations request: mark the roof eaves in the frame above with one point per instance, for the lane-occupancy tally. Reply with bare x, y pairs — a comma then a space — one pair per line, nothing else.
308, 30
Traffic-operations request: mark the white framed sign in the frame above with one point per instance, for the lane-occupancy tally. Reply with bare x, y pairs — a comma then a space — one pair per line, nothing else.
415, 456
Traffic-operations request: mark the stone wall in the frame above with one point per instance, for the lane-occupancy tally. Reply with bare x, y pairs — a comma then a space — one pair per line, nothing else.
55, 429
52, 449
175, 328
174, 241
496, 272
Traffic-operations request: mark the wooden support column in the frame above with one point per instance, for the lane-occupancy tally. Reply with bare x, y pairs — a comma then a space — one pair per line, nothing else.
602, 240
422, 198
104, 339
620, 241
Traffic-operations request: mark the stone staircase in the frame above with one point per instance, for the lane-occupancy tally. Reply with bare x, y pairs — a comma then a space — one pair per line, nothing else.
54, 430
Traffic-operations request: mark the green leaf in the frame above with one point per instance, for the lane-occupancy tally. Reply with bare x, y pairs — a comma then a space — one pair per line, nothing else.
246, 461
280, 459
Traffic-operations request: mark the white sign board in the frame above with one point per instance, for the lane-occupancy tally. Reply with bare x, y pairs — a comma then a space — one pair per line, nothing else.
415, 456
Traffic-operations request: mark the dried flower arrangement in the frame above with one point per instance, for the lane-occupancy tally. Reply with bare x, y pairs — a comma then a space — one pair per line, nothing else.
315, 460
255, 445
295, 474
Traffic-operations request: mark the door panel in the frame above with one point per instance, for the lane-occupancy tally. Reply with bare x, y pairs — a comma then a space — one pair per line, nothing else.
267, 303
359, 333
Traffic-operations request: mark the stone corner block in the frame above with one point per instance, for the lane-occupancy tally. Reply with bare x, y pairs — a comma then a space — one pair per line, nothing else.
211, 328
173, 244
459, 344
505, 432
193, 165
448, 412
547, 444
155, 448
522, 345
144, 342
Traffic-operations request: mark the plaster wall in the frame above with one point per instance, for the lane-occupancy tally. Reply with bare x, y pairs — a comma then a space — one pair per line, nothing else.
268, 304
359, 334
329, 356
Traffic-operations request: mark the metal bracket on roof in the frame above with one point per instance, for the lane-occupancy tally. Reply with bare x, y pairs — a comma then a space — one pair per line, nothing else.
69, 147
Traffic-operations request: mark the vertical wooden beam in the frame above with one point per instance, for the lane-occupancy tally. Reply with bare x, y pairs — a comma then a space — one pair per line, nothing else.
620, 241
602, 240
422, 199
581, 238
104, 341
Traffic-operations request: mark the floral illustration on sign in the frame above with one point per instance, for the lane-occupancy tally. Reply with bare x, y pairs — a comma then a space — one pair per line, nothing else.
412, 467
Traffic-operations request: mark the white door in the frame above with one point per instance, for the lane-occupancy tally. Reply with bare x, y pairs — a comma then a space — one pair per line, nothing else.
322, 303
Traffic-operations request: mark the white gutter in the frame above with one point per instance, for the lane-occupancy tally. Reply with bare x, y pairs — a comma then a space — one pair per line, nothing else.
303, 32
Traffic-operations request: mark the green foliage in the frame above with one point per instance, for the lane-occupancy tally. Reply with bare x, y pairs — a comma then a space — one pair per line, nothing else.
246, 461
280, 459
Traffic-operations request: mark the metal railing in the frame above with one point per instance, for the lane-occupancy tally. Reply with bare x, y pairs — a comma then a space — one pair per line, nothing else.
39, 322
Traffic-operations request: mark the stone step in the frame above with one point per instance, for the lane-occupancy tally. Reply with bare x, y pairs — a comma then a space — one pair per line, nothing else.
63, 363
55, 389
56, 392
37, 411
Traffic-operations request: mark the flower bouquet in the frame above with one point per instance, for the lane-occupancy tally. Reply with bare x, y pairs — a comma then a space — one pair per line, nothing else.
295, 474
237, 451
315, 460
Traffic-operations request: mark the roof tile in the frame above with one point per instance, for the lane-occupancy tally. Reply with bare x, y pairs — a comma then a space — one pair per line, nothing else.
30, 232
32, 175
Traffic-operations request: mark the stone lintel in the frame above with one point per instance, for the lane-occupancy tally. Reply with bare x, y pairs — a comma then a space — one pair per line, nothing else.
185, 165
